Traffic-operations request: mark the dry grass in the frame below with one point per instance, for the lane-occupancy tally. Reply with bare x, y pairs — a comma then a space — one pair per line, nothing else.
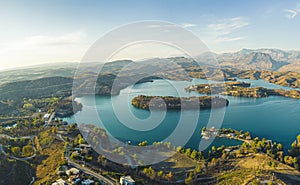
48, 162
177, 162
256, 166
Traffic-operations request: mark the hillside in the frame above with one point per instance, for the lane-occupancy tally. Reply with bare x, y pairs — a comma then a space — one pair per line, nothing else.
11, 170
43, 87
260, 59
57, 80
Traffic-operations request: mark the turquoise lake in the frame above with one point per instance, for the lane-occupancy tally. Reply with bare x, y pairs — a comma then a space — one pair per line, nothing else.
275, 118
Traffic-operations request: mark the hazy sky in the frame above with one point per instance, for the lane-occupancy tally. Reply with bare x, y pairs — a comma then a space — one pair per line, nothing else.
36, 32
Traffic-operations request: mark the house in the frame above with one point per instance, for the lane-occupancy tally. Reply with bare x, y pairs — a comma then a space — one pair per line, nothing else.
74, 179
269, 142
227, 150
87, 182
72, 171
46, 116
85, 146
77, 181
126, 180
231, 135
59, 182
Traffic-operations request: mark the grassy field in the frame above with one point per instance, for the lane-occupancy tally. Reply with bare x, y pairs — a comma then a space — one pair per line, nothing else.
256, 166
48, 161
177, 164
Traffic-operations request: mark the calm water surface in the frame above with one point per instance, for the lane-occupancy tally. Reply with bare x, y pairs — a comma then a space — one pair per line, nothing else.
276, 118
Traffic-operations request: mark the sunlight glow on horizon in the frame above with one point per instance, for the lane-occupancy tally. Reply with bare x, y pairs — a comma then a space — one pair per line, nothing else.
44, 32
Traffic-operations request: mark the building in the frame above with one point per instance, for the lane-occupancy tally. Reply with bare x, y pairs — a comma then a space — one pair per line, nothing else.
46, 116
127, 180
227, 150
87, 182
72, 171
59, 182
84, 146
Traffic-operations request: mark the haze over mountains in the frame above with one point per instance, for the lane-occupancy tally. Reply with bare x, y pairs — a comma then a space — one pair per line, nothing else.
257, 59
275, 60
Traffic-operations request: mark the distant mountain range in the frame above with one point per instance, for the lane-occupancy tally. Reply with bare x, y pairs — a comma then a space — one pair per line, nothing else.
273, 65
257, 59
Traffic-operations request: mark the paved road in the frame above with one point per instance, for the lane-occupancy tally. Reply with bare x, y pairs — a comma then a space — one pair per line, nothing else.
22, 137
86, 170
90, 172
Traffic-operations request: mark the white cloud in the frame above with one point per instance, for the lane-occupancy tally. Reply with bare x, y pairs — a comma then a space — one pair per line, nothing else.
228, 39
225, 27
161, 25
185, 25
293, 12
188, 25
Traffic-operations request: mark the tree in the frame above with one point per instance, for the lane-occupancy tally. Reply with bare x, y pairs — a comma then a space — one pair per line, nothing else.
198, 168
143, 143
279, 147
16, 151
179, 149
160, 174
27, 150
256, 182
213, 160
288, 159
200, 155
213, 149
298, 139
188, 152
295, 160
273, 165
54, 130
194, 154
169, 176
189, 179
80, 139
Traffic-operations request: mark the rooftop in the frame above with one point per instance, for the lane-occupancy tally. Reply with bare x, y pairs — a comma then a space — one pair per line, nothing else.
127, 178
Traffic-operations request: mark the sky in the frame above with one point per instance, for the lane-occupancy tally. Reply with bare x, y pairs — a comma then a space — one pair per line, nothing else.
51, 31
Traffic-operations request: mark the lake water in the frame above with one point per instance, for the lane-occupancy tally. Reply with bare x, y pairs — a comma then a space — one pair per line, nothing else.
276, 118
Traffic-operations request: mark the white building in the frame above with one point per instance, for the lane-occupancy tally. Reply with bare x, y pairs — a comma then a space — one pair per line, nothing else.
127, 180
72, 171
46, 116
59, 182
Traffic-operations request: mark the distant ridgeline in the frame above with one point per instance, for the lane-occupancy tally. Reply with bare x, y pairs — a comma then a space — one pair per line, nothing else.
39, 88
59, 81
242, 89
185, 103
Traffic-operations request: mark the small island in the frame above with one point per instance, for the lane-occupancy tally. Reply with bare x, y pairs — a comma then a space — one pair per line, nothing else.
242, 89
216, 87
170, 102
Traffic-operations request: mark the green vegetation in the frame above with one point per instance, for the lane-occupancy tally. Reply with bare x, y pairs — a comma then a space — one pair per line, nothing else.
242, 89
159, 102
